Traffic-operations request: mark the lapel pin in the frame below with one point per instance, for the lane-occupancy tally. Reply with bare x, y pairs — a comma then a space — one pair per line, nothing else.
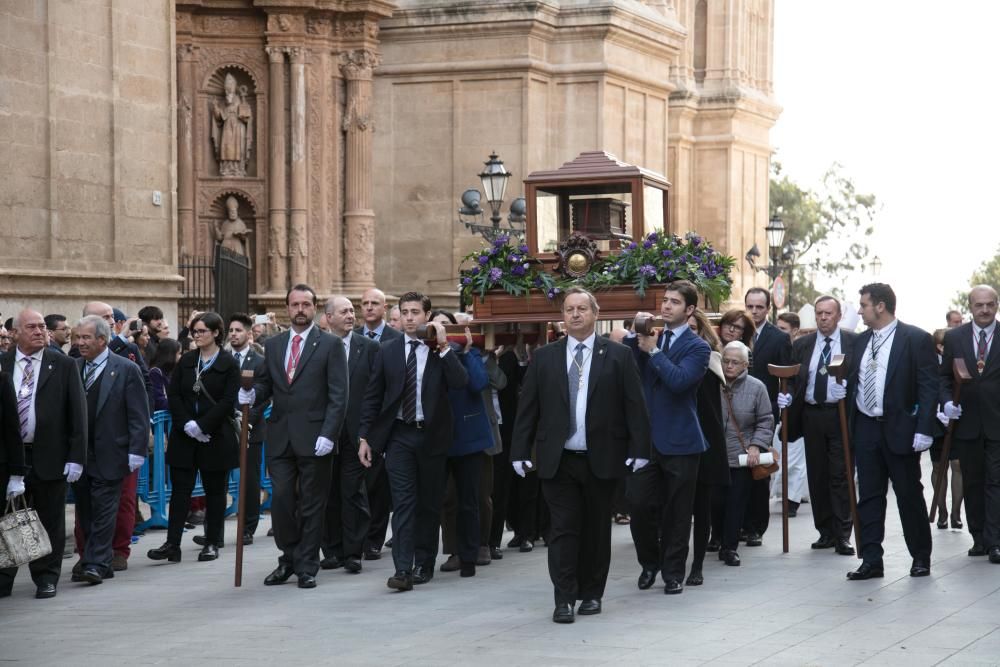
50, 367
601, 351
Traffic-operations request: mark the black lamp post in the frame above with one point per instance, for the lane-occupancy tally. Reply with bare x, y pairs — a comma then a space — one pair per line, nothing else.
494, 179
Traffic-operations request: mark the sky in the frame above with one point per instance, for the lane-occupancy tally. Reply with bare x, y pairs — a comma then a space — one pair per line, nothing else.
903, 94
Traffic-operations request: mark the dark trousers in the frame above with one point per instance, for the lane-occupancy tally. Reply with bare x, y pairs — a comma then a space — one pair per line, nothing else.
182, 484
121, 541
347, 514
525, 506
980, 460
379, 502
580, 532
661, 498
97, 503
826, 473
758, 509
48, 499
738, 498
301, 485
877, 465
417, 481
702, 512
460, 512
251, 504
503, 476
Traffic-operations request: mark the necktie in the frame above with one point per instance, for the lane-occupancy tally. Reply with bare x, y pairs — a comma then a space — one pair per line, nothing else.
89, 375
410, 384
575, 384
667, 336
871, 377
293, 358
981, 351
372, 335
819, 391
24, 396
239, 359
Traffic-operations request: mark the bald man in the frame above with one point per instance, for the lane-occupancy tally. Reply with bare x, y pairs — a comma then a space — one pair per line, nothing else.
373, 312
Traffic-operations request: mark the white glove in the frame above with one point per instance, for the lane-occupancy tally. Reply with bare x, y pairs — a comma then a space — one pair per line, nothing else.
323, 446
135, 462
72, 472
952, 411
637, 464
943, 418
922, 442
194, 431
784, 400
247, 396
521, 467
15, 486
838, 391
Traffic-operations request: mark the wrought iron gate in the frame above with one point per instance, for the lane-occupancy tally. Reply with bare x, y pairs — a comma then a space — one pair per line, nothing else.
219, 283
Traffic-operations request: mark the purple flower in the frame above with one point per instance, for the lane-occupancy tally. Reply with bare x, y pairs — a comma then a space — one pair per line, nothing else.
501, 241
466, 281
631, 246
667, 253
474, 271
647, 244
515, 259
484, 259
495, 274
523, 248
553, 292
518, 270
696, 240
647, 270
654, 237
537, 281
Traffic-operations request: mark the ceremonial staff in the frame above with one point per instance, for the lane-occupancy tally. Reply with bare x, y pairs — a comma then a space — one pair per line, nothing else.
783, 373
246, 381
961, 374
838, 368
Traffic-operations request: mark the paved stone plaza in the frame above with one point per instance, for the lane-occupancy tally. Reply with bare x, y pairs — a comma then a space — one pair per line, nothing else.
794, 609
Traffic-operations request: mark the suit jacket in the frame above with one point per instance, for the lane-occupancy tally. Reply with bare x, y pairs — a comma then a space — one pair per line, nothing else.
388, 334
979, 399
121, 426
497, 382
385, 394
258, 427
314, 404
670, 384
617, 422
802, 352
11, 447
508, 396
911, 385
773, 346
714, 465
131, 352
221, 381
471, 431
60, 414
360, 365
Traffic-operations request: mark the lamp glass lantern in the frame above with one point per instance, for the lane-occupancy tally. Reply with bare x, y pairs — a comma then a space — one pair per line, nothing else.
876, 266
494, 178
775, 230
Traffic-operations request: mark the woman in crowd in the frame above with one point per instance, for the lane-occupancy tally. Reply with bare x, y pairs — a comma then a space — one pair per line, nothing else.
161, 367
737, 325
749, 427
203, 438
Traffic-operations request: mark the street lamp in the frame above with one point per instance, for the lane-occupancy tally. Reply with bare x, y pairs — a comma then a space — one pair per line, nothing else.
494, 179
775, 230
876, 266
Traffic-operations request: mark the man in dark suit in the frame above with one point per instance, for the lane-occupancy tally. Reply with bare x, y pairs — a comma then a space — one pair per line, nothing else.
53, 414
58, 331
305, 376
892, 394
373, 312
661, 495
771, 345
977, 433
583, 411
813, 415
347, 513
407, 417
117, 438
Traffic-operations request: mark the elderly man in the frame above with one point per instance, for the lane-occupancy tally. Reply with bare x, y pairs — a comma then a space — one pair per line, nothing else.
117, 438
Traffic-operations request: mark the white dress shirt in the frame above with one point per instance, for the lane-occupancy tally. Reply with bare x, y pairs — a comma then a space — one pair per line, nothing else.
241, 355
578, 440
99, 362
302, 345
814, 361
887, 335
17, 377
990, 330
347, 345
378, 331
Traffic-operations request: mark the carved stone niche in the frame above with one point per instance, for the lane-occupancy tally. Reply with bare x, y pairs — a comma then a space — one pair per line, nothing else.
233, 115
235, 227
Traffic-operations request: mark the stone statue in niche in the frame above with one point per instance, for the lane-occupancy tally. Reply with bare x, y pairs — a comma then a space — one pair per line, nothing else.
232, 232
232, 129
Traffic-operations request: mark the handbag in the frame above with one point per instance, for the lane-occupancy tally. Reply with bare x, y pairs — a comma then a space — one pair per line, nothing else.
234, 420
23, 538
757, 471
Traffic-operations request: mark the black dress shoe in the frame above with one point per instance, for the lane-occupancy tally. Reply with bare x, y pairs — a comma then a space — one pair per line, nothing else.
995, 555
496, 553
166, 551
247, 539
695, 578
91, 576
844, 548
421, 574
753, 540
956, 524
279, 575
673, 587
646, 579
866, 571
563, 613
824, 542
352, 565
331, 563
731, 557
713, 546
467, 570
388, 543
526, 546
977, 550
373, 553
942, 524
920, 568
200, 540
793, 508
307, 581
270, 532
45, 591
401, 581
516, 541
208, 552
589, 608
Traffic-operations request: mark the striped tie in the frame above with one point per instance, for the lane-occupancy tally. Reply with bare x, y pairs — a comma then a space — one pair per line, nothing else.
89, 375
24, 396
410, 385
871, 377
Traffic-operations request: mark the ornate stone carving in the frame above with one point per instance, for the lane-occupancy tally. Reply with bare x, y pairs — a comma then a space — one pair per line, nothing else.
319, 25
353, 29
232, 232
353, 118
359, 64
294, 23
229, 25
232, 129
372, 29
183, 22
250, 60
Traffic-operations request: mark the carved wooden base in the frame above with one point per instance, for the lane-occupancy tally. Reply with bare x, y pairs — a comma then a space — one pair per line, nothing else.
617, 303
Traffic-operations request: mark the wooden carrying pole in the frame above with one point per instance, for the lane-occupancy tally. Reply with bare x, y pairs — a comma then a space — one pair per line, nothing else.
783, 373
838, 368
246, 381
961, 375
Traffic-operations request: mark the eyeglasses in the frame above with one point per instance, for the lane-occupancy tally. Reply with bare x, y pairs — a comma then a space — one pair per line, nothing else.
198, 332
734, 327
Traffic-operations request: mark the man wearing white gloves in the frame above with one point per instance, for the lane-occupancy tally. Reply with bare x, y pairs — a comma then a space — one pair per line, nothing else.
117, 438
892, 398
52, 416
305, 377
583, 412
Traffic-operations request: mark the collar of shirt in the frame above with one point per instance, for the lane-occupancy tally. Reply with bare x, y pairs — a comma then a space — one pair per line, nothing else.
588, 343
347, 338
887, 330
305, 334
410, 339
35, 357
101, 358
377, 330
989, 330
759, 330
834, 337
678, 331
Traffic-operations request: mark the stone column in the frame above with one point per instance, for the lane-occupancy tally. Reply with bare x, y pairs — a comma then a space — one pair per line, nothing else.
359, 175
299, 236
277, 242
186, 57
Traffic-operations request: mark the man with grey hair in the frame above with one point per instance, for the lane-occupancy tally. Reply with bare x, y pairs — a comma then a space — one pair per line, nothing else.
117, 437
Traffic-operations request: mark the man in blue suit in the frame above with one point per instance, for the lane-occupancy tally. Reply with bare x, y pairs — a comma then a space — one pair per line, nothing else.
892, 397
661, 494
